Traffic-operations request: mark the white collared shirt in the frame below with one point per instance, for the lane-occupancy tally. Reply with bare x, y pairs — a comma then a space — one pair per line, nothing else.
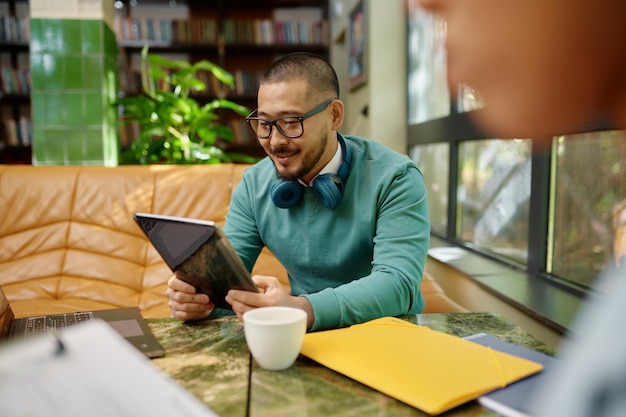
331, 167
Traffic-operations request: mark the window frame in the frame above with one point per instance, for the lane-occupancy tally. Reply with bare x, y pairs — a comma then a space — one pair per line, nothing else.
459, 127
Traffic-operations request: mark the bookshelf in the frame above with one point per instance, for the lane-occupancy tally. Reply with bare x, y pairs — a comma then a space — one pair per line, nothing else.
15, 122
242, 36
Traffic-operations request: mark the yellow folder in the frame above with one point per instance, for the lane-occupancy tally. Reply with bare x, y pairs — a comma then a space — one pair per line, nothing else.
427, 369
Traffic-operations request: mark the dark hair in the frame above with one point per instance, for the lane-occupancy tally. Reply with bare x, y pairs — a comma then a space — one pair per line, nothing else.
319, 74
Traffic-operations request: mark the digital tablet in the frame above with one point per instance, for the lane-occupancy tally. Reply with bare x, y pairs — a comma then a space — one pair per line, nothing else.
200, 252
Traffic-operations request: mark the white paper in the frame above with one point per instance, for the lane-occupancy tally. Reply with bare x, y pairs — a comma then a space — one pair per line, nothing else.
96, 373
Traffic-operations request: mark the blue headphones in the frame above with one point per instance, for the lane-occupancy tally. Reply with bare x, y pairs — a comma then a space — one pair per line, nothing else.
328, 187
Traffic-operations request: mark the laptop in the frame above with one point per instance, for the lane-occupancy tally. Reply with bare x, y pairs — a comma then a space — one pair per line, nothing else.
515, 399
128, 322
199, 251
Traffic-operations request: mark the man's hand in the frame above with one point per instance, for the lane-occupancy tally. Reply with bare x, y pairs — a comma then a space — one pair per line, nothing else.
272, 293
184, 302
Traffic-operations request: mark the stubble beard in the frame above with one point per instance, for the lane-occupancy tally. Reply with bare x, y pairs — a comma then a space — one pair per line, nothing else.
309, 160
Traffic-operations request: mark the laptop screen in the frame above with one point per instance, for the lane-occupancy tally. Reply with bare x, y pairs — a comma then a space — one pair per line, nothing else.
6, 316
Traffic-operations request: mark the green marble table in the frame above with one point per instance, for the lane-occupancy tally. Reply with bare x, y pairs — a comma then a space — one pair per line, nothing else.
211, 360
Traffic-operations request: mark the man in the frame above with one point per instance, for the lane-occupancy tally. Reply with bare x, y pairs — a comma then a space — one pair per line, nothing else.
545, 67
346, 216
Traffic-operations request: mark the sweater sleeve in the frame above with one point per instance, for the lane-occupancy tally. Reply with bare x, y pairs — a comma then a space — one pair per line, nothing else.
244, 238
400, 248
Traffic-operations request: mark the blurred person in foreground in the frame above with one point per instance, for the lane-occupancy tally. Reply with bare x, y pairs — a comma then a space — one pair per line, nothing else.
543, 68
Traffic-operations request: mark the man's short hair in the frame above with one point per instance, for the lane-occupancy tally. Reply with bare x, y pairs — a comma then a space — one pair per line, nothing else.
319, 74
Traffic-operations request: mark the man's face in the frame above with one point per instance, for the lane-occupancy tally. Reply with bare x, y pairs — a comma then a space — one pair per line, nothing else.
541, 66
301, 157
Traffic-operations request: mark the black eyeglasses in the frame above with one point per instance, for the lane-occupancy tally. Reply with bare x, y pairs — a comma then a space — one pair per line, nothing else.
288, 126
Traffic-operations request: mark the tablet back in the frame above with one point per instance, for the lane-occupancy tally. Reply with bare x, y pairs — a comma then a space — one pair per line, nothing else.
199, 250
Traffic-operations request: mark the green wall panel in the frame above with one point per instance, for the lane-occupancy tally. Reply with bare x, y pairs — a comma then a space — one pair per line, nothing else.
74, 70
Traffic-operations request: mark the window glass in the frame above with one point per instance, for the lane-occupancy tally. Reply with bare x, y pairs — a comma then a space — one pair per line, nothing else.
433, 161
589, 204
429, 96
494, 196
469, 99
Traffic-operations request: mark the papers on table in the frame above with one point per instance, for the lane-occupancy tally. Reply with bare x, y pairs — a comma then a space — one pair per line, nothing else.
89, 370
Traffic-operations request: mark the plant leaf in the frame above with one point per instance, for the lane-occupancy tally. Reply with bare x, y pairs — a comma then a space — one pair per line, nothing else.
168, 63
220, 73
222, 103
174, 127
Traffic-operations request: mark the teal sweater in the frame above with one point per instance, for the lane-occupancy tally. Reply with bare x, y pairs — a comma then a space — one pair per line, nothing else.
361, 261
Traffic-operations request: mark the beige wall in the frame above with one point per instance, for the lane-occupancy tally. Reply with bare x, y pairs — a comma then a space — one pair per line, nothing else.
385, 91
74, 9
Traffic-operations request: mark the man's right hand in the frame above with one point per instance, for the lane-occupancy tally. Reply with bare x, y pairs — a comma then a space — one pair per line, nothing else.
184, 302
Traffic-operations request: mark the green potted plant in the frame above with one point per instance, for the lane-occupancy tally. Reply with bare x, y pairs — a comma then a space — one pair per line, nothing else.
174, 128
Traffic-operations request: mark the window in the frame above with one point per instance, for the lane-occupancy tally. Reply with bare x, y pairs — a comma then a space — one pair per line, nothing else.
429, 96
559, 214
433, 162
589, 186
493, 196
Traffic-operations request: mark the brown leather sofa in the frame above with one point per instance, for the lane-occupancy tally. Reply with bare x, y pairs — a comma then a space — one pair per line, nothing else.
68, 241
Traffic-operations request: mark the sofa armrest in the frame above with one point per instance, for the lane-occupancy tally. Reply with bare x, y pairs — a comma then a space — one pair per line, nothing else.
436, 299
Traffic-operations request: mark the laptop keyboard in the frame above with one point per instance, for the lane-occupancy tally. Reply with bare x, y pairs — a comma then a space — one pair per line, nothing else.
54, 323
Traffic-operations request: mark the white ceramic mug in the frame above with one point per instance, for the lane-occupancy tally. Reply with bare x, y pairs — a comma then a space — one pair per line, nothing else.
274, 335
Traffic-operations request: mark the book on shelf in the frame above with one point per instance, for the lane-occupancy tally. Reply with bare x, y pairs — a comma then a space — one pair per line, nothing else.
269, 32
242, 132
151, 30
15, 81
163, 30
14, 29
301, 25
129, 81
7, 81
128, 132
24, 80
264, 33
166, 31
18, 132
180, 31
246, 82
261, 32
10, 128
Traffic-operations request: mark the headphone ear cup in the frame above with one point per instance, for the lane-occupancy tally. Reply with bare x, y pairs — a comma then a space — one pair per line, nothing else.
329, 190
286, 194
327, 187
